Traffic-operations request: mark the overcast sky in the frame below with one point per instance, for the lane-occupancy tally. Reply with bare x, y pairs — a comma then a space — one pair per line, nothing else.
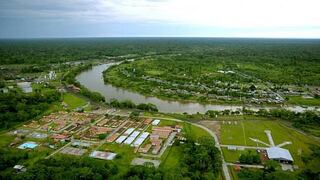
196, 18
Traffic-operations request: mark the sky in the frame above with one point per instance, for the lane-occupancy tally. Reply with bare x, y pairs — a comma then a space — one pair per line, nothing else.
160, 18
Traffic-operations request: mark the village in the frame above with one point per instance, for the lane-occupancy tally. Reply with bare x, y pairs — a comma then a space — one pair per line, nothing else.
257, 92
83, 134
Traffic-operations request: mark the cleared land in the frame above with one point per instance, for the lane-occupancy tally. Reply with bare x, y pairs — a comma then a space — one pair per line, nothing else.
239, 134
73, 101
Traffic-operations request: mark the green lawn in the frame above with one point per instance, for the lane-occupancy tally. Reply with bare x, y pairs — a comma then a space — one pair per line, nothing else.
239, 135
125, 154
5, 140
170, 159
231, 155
303, 101
73, 101
194, 131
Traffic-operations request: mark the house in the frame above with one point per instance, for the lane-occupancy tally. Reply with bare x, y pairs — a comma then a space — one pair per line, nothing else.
59, 137
155, 122
147, 121
156, 142
95, 130
145, 149
19, 168
163, 132
156, 149
4, 90
25, 86
74, 88
279, 154
113, 137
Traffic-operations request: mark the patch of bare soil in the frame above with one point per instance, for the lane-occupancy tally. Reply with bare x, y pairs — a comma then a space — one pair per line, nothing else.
214, 126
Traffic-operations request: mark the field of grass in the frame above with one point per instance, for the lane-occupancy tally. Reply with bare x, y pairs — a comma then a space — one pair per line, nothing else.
231, 155
240, 133
73, 101
170, 159
194, 131
5, 140
125, 154
303, 101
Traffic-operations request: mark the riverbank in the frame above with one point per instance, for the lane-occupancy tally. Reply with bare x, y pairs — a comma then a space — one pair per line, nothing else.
92, 79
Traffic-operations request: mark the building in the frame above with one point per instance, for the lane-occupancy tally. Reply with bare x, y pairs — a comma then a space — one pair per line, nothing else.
156, 149
147, 121
95, 130
25, 86
28, 145
279, 154
59, 137
163, 132
19, 168
103, 155
145, 149
155, 122
113, 137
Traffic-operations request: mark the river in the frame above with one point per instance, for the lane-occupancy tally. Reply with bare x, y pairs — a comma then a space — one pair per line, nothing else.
93, 80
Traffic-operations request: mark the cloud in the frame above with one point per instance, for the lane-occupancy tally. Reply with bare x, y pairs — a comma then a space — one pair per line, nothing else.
244, 16
215, 13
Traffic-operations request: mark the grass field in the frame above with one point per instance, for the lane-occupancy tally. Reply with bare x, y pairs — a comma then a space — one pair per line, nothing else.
231, 155
239, 135
73, 101
125, 154
170, 159
5, 140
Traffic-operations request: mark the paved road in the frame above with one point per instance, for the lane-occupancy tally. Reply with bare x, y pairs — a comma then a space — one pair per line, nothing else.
268, 132
215, 137
224, 164
58, 150
243, 147
246, 165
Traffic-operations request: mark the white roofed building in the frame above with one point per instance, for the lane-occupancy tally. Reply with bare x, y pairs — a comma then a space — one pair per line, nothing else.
279, 154
155, 122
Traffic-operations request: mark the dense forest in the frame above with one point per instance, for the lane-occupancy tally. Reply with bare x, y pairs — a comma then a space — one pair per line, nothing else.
63, 50
17, 107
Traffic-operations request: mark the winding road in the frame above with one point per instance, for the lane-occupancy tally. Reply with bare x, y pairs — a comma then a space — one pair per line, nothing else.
215, 137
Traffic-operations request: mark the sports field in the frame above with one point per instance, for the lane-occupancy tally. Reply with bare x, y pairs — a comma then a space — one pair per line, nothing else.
73, 101
239, 133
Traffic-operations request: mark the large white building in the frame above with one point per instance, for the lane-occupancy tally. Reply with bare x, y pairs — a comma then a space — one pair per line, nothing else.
279, 154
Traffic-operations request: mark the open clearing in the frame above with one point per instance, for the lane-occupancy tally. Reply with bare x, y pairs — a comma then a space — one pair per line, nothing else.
239, 133
73, 101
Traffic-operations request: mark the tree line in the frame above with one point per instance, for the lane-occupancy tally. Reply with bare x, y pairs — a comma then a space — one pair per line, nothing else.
17, 107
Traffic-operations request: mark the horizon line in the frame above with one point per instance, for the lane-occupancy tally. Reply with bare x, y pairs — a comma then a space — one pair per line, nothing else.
207, 37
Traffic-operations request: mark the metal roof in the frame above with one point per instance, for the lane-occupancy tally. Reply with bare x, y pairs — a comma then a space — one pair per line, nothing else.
279, 153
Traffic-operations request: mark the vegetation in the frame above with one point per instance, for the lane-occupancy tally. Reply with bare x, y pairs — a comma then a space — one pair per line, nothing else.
308, 121
201, 161
216, 77
130, 105
304, 101
69, 78
250, 158
198, 161
73, 101
17, 107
